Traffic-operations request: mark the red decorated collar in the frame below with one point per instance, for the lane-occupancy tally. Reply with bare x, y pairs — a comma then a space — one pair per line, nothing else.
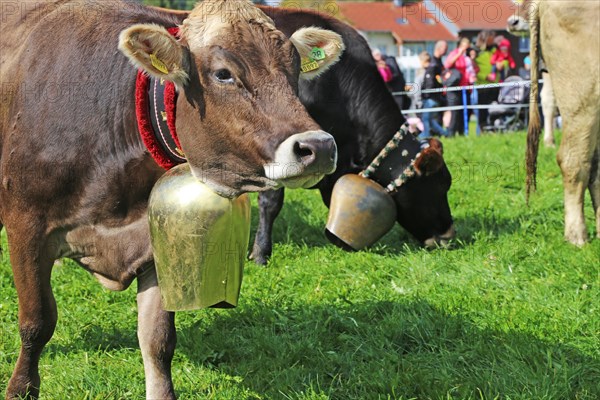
155, 106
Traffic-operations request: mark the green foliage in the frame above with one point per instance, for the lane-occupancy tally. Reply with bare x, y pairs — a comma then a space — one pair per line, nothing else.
510, 312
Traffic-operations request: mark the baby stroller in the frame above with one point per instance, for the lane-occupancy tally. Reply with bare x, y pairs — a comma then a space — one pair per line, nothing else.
502, 117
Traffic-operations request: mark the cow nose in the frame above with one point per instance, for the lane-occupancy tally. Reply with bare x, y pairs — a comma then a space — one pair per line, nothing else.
442, 240
303, 159
317, 153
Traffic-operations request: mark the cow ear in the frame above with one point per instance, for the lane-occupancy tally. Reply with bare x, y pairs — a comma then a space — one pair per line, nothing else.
153, 49
319, 49
436, 145
431, 159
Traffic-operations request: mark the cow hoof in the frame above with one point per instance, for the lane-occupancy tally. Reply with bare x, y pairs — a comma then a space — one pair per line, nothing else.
259, 259
25, 391
549, 144
258, 256
578, 240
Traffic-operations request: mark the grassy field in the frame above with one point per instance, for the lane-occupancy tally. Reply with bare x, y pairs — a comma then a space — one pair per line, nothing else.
511, 312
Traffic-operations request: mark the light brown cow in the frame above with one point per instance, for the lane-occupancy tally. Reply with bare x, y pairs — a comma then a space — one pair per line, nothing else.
75, 175
567, 32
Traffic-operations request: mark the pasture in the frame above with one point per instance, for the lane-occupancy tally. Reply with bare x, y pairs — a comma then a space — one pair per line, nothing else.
510, 312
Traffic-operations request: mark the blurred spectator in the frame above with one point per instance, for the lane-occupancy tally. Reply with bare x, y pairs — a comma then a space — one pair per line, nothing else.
472, 53
458, 60
415, 125
525, 71
394, 80
431, 80
397, 83
383, 68
502, 61
487, 47
439, 51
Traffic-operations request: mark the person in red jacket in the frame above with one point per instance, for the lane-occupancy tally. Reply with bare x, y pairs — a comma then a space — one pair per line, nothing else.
458, 63
501, 61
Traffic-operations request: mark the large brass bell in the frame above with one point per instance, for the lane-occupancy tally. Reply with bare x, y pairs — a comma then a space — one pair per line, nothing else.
361, 210
199, 241
360, 213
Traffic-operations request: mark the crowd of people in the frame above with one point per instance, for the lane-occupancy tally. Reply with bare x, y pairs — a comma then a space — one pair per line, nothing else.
487, 60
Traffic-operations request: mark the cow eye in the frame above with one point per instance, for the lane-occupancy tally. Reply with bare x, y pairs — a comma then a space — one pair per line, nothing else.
224, 76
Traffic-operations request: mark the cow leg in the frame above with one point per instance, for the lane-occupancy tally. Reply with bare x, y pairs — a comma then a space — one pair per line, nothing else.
548, 109
32, 268
595, 184
269, 206
575, 158
157, 337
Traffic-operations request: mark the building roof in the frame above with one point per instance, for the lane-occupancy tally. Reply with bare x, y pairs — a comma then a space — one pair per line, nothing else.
411, 22
474, 15
427, 20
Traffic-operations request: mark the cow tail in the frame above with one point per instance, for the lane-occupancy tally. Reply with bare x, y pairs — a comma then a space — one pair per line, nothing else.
535, 127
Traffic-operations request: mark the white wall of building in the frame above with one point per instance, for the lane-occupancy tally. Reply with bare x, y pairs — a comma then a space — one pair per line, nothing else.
384, 41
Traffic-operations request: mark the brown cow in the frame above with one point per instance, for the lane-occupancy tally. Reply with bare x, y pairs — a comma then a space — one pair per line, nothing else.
567, 33
75, 175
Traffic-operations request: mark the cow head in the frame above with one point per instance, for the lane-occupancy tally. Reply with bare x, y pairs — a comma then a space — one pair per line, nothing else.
422, 202
239, 120
518, 23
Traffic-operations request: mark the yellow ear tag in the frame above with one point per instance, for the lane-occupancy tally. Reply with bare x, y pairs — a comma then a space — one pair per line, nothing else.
308, 64
158, 64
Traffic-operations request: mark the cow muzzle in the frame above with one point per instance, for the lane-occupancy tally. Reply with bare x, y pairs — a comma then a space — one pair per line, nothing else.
303, 159
442, 240
517, 25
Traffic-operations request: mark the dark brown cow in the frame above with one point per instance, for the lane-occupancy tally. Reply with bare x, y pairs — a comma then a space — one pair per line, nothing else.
75, 176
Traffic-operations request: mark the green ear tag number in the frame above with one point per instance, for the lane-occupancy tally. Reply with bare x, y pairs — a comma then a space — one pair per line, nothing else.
317, 53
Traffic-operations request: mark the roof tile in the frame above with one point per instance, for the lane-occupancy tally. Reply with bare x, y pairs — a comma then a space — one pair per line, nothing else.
424, 21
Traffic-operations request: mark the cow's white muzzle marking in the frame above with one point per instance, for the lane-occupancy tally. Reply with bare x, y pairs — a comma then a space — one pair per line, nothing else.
303, 159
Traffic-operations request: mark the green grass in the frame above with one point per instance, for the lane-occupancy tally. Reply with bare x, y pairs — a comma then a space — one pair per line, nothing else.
511, 312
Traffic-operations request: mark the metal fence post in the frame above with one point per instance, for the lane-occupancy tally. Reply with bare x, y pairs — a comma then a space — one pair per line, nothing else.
465, 111
474, 102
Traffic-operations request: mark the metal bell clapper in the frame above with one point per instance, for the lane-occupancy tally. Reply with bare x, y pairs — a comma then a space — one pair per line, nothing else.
199, 241
362, 211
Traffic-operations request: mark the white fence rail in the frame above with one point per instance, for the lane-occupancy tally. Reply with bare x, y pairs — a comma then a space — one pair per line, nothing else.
465, 107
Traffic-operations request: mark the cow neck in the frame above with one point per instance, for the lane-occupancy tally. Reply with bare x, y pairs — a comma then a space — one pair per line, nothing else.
155, 106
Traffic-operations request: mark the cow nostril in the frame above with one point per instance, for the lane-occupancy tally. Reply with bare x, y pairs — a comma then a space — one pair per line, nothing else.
305, 152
